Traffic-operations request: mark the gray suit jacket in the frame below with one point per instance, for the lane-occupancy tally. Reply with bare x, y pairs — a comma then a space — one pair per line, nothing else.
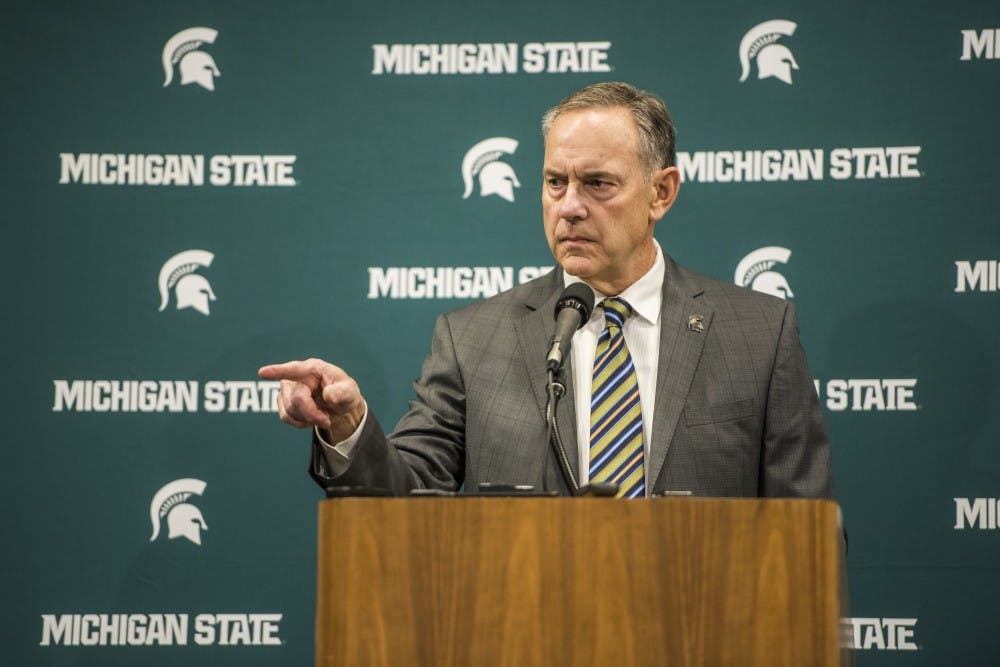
736, 411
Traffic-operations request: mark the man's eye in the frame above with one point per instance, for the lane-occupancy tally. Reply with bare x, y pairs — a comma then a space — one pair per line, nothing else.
554, 182
597, 183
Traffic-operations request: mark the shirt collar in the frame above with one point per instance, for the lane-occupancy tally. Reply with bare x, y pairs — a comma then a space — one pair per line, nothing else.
644, 295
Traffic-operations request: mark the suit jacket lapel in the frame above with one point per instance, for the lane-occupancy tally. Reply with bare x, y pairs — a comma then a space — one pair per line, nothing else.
680, 349
534, 331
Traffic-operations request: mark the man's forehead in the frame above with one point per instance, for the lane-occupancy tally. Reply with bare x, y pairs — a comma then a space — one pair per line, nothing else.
592, 125
592, 139
606, 110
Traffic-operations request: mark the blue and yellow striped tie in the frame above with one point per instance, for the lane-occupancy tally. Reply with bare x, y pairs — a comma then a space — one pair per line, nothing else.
616, 449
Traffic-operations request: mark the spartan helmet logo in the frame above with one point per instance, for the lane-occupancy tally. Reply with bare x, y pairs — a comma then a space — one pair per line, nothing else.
495, 177
195, 66
755, 271
183, 519
772, 59
178, 274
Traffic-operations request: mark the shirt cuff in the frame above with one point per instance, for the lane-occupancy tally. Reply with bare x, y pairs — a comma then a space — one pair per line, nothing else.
338, 456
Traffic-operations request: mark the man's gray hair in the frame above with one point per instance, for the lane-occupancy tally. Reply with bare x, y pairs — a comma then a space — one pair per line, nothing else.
656, 129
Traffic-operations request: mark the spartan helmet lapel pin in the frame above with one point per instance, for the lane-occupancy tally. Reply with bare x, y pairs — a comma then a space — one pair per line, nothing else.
696, 324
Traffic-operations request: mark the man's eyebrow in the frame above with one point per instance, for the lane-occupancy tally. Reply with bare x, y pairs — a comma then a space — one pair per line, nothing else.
596, 173
607, 175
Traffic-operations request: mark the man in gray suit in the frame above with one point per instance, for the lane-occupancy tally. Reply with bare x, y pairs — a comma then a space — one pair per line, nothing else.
722, 402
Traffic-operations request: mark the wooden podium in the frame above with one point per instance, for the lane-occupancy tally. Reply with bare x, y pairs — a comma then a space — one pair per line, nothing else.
470, 581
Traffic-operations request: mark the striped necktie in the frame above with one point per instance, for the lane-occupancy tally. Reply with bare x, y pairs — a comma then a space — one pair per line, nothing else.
616, 448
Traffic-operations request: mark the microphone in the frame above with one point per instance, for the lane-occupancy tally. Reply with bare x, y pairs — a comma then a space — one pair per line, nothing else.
572, 312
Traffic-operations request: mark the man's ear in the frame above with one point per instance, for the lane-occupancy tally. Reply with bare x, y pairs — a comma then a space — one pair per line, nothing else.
666, 183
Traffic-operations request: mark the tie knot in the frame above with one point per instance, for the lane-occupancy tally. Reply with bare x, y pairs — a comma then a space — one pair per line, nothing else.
616, 311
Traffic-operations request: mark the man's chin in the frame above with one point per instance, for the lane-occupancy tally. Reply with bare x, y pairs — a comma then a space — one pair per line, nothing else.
577, 267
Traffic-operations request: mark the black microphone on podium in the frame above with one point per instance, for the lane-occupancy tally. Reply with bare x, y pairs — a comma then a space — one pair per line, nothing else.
572, 312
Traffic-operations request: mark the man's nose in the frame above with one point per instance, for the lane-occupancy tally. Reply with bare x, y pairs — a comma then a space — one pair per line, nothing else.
572, 206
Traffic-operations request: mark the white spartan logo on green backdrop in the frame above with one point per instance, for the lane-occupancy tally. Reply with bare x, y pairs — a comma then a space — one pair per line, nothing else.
190, 290
183, 519
183, 51
772, 59
756, 271
482, 163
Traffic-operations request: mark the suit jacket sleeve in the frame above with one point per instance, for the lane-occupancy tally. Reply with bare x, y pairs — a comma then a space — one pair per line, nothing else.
427, 448
795, 460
